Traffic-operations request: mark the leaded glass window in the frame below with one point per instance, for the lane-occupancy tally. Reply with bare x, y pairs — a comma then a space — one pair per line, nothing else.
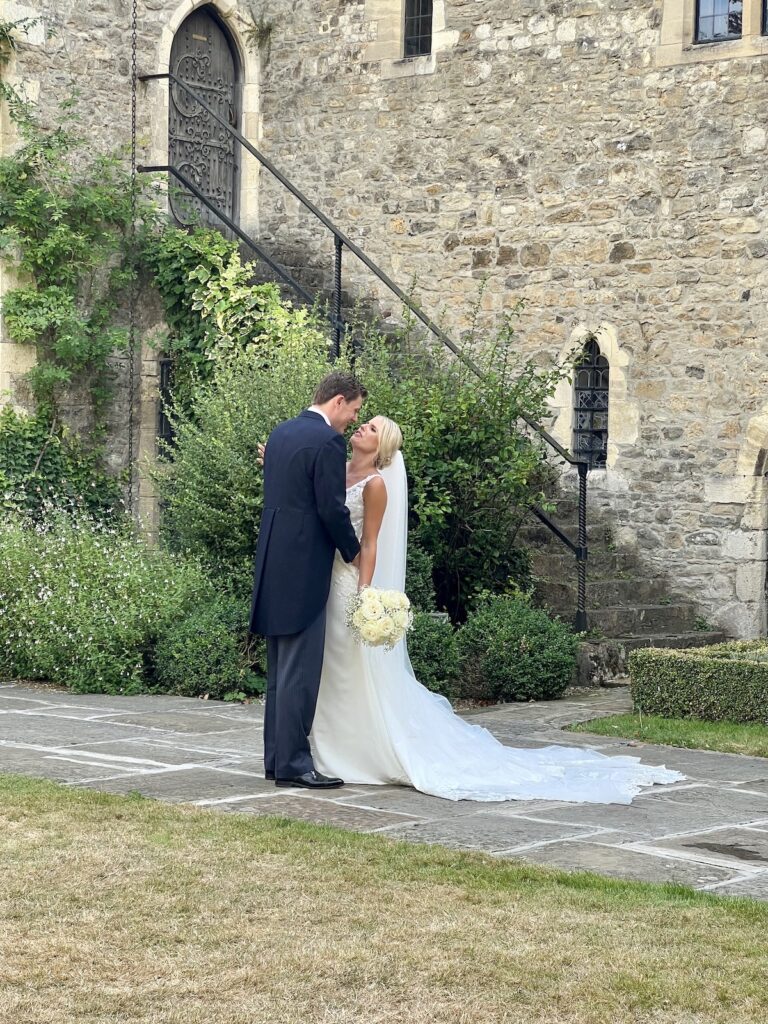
590, 414
718, 19
418, 27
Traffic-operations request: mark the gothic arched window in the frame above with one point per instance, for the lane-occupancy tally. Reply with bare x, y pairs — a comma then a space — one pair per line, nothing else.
418, 27
590, 414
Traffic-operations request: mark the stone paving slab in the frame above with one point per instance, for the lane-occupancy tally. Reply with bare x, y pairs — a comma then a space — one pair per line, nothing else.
710, 832
487, 832
629, 864
743, 847
178, 786
320, 812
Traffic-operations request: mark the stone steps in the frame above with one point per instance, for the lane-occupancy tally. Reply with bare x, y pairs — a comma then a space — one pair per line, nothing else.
602, 593
640, 619
626, 607
603, 662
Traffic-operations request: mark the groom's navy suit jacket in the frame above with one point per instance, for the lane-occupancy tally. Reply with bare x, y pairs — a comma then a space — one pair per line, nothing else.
304, 521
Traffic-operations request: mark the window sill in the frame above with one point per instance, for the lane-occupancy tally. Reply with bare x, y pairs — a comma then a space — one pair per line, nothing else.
408, 67
670, 54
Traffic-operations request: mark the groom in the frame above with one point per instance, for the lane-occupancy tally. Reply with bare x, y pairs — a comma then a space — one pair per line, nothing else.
304, 521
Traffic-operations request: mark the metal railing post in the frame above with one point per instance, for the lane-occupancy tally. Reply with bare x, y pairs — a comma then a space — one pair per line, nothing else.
580, 621
338, 323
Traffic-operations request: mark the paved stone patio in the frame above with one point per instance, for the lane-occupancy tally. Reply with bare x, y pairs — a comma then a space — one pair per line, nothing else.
709, 832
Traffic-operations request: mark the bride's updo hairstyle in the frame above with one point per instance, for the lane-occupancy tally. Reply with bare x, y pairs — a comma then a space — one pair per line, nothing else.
390, 441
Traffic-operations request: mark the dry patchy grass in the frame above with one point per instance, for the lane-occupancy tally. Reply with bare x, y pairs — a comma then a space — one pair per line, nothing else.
119, 909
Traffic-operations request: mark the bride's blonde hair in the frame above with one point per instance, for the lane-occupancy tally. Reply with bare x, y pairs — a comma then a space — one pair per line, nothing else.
390, 441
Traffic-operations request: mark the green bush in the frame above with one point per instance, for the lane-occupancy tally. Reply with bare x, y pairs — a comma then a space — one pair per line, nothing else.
212, 490
510, 651
472, 471
419, 585
208, 653
725, 682
40, 464
432, 650
83, 603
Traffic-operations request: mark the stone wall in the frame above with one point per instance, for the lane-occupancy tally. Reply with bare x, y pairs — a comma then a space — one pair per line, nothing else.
546, 151
547, 154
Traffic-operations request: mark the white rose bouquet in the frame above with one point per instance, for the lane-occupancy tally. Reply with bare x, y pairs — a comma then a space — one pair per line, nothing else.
379, 618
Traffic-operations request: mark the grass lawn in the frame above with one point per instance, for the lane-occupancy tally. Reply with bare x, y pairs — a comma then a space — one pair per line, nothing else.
116, 909
728, 737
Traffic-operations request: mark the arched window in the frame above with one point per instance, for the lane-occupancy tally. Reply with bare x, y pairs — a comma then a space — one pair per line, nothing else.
418, 27
203, 56
590, 414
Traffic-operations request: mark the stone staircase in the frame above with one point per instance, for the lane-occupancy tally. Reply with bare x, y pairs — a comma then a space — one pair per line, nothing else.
627, 606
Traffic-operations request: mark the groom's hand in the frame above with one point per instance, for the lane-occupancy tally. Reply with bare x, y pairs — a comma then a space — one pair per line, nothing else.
260, 458
356, 561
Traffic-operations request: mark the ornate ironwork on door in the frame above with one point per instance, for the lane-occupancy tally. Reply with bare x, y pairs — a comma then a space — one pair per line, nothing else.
590, 431
198, 145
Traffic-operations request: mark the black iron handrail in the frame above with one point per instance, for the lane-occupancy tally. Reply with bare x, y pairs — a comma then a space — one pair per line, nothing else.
340, 240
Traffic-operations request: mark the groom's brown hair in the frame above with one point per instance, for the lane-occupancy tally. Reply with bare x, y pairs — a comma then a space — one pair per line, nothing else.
338, 383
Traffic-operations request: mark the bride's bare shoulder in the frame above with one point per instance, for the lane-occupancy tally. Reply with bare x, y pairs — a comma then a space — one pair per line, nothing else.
375, 488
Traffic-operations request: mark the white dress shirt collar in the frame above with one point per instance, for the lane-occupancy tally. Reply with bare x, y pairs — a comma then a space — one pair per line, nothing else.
314, 408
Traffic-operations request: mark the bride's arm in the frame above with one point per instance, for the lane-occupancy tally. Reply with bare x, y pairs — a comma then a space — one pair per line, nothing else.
374, 504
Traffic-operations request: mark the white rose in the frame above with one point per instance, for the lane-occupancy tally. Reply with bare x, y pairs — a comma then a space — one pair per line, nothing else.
369, 633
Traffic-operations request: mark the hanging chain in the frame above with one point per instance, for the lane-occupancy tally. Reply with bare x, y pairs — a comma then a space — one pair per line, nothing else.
133, 294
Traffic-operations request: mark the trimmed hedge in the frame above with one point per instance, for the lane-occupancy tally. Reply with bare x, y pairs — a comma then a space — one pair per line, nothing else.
724, 682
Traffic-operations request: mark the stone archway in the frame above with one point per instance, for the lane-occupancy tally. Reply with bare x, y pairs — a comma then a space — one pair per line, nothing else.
154, 97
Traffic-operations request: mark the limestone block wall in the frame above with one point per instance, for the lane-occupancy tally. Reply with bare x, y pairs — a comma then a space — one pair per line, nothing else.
553, 152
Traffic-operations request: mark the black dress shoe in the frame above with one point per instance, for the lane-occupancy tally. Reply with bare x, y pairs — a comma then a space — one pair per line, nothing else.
311, 780
269, 776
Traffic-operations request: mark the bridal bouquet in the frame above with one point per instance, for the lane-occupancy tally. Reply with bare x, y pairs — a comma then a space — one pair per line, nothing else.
379, 618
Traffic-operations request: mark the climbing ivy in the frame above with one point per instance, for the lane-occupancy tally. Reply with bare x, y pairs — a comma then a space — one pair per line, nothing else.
213, 305
65, 216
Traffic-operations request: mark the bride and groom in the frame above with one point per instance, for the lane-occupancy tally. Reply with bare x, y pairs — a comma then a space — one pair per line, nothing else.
339, 711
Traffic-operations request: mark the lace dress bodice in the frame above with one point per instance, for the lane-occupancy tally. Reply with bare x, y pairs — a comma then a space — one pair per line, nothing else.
354, 503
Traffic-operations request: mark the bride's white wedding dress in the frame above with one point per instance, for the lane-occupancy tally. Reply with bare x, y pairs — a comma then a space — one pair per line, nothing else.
376, 724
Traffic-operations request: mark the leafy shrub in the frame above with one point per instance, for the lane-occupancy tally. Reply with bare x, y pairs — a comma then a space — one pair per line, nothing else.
83, 603
208, 653
212, 490
40, 464
724, 682
472, 472
432, 650
419, 585
511, 651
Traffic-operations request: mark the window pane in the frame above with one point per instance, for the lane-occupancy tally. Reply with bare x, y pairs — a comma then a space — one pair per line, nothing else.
418, 27
718, 19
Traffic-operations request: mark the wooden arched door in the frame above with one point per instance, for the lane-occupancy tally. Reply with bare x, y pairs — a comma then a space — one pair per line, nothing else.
198, 145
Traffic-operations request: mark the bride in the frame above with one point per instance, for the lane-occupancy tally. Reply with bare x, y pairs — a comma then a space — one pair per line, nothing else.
376, 724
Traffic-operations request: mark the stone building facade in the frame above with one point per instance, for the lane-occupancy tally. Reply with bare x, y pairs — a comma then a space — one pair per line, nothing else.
587, 156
